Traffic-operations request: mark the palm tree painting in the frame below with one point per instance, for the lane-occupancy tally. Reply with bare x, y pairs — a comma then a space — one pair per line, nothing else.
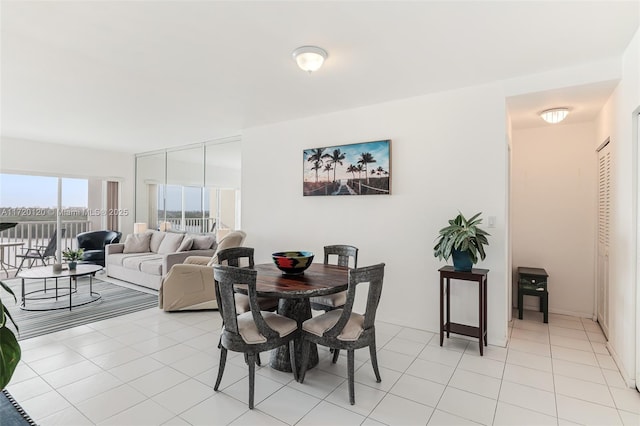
366, 158
335, 158
327, 168
317, 165
316, 158
354, 169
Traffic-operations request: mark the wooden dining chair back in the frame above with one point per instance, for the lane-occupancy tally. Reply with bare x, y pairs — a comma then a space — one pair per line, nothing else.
251, 332
237, 256
345, 329
243, 257
344, 255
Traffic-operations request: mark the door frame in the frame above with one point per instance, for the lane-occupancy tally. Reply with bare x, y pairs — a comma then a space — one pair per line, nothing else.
635, 142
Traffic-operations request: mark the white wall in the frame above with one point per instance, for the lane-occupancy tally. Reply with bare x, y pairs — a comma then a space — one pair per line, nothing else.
49, 159
554, 212
449, 153
616, 121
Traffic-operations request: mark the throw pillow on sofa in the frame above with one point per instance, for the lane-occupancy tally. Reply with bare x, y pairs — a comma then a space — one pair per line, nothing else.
202, 242
186, 244
137, 243
170, 243
156, 239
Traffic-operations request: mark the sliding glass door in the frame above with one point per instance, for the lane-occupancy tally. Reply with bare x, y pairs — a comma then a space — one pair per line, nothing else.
33, 203
191, 189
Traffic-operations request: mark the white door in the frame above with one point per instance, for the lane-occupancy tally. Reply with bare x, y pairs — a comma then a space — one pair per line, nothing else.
604, 222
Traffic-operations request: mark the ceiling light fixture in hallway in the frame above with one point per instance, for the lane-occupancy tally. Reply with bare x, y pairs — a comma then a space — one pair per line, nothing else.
554, 115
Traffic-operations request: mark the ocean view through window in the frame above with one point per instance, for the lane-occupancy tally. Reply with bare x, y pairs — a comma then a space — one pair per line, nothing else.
28, 198
31, 202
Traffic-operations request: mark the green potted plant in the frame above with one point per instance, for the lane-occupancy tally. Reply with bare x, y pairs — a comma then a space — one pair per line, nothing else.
463, 240
72, 256
9, 347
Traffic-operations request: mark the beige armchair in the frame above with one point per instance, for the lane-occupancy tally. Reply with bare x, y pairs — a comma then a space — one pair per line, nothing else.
189, 286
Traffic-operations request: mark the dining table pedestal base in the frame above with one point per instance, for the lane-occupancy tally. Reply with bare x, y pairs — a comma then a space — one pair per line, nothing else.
300, 310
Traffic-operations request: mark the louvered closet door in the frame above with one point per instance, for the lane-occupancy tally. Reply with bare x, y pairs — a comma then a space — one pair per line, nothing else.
604, 228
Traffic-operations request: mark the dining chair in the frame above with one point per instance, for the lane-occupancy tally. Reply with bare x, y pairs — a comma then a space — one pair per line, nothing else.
243, 256
345, 329
252, 332
343, 255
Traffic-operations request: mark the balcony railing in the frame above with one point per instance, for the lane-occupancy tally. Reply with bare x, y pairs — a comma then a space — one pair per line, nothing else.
192, 224
37, 234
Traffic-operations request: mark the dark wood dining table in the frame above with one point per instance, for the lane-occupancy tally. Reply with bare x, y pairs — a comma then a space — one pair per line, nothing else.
294, 292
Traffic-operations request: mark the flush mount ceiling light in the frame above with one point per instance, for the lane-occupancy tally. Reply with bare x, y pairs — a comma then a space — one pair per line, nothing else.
554, 115
309, 58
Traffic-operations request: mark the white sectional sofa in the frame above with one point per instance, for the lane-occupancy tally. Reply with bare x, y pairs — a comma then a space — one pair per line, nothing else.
144, 259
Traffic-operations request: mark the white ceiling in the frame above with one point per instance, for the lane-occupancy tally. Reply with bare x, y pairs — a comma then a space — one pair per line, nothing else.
584, 103
140, 75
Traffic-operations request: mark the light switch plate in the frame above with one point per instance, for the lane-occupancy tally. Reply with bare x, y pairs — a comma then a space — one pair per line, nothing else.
492, 221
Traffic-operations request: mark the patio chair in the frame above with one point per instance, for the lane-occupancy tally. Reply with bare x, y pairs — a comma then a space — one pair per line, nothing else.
41, 253
7, 225
252, 332
345, 329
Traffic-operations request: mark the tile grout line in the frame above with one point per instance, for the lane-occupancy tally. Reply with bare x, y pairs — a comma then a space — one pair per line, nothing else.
509, 337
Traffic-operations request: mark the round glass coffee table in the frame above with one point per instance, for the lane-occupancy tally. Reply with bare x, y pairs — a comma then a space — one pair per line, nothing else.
47, 272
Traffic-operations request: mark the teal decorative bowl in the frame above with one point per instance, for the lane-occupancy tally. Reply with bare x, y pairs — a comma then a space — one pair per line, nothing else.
292, 262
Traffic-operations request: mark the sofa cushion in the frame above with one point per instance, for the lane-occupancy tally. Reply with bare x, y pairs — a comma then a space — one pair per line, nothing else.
118, 258
170, 243
203, 242
186, 244
151, 266
135, 262
156, 240
137, 243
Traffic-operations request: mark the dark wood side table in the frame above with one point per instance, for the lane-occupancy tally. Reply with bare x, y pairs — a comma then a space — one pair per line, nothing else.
533, 282
476, 275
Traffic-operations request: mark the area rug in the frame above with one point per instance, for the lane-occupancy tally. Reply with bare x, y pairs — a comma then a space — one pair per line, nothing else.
11, 413
115, 301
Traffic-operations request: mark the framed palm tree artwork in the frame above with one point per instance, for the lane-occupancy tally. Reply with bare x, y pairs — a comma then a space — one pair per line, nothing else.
354, 169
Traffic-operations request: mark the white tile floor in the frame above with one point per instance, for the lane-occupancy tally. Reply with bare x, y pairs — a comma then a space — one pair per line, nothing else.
154, 368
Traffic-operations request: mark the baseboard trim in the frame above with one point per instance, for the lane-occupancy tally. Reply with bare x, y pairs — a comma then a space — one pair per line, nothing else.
631, 382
